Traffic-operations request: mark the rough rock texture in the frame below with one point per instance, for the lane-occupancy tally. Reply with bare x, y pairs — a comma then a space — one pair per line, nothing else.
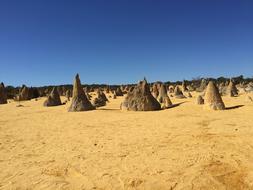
98, 103
140, 99
79, 101
119, 92
3, 95
100, 100
114, 96
231, 89
200, 100
171, 89
178, 93
53, 99
202, 86
24, 94
184, 87
213, 98
162, 93
102, 96
155, 91
166, 103
68, 94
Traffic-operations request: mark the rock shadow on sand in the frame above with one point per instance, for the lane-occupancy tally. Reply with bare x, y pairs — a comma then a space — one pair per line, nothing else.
234, 107
109, 109
178, 104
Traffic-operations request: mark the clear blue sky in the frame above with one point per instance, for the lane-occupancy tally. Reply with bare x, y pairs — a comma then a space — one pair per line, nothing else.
120, 41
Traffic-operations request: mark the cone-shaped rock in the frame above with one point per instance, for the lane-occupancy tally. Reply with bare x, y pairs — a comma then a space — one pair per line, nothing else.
24, 94
202, 86
155, 91
184, 87
68, 94
171, 89
53, 99
166, 103
79, 100
102, 96
200, 100
119, 92
98, 103
100, 100
231, 89
140, 99
114, 96
178, 93
3, 95
213, 98
162, 93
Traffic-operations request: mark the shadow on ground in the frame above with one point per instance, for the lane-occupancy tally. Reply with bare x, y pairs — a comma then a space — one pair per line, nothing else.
234, 107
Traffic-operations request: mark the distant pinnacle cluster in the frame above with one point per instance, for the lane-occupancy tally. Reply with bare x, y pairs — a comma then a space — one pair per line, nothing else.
140, 97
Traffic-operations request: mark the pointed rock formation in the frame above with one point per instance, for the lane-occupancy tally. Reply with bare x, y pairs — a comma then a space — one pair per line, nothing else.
213, 98
114, 96
68, 94
122, 88
119, 92
100, 100
140, 99
231, 89
171, 89
162, 93
200, 100
166, 103
184, 87
202, 86
3, 95
178, 93
155, 91
102, 96
53, 99
79, 100
98, 103
24, 94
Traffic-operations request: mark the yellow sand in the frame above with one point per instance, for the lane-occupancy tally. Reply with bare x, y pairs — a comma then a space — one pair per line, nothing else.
185, 147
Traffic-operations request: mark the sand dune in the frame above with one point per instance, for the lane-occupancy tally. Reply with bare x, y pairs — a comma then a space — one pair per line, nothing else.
185, 147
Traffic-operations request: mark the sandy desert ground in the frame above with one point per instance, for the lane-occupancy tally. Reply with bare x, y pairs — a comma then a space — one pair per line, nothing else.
185, 147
